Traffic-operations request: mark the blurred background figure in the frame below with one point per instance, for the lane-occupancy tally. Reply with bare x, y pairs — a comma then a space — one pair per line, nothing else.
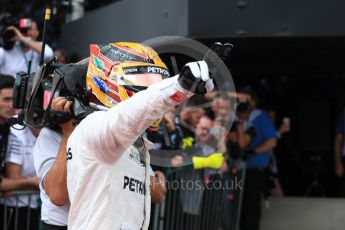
62, 56
13, 149
274, 185
186, 122
19, 165
168, 139
21, 50
200, 163
339, 152
238, 139
259, 151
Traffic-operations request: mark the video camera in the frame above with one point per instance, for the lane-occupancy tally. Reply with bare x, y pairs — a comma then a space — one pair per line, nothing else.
6, 20
34, 93
244, 107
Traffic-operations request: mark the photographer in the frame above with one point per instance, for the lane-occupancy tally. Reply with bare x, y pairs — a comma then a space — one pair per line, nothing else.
21, 51
240, 136
222, 108
258, 153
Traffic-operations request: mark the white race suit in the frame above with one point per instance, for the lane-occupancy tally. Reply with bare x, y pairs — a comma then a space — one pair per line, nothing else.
107, 180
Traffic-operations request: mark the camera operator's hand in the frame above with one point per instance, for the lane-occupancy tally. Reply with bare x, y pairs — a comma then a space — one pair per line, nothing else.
63, 105
18, 35
195, 78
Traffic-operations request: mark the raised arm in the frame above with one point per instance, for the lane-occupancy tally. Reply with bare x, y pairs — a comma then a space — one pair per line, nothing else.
35, 45
110, 133
55, 182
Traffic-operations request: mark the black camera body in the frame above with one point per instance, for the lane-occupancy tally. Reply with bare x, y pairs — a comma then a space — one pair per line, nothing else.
34, 93
244, 107
20, 90
6, 20
31, 94
235, 151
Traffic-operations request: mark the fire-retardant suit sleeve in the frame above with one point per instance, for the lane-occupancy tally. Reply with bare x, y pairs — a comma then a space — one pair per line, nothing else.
108, 134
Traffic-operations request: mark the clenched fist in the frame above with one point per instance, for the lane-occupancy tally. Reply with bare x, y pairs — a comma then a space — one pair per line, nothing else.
195, 78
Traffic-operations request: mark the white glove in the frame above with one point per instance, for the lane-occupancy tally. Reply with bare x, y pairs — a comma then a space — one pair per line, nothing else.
195, 78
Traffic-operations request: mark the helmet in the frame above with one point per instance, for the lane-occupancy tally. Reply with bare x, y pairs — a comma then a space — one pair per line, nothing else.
116, 71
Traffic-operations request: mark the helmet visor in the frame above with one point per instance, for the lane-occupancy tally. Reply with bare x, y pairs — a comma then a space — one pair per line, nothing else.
141, 75
143, 80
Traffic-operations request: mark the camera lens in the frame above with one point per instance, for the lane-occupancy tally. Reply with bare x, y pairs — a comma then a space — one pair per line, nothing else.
243, 107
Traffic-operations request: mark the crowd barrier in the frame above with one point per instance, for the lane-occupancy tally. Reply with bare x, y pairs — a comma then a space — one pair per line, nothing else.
193, 202
15, 213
